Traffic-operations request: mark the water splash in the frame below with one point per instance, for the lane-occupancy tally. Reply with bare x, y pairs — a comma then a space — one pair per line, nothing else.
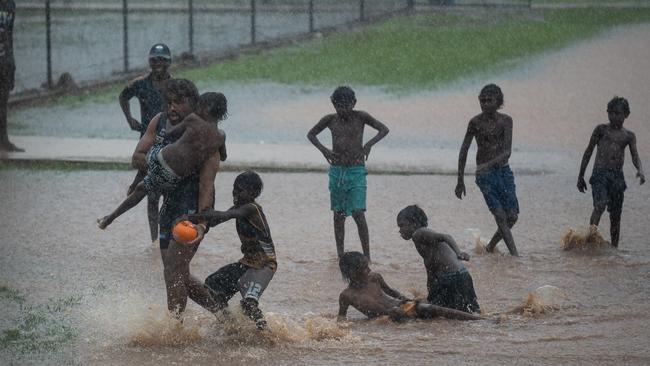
583, 239
543, 300
160, 328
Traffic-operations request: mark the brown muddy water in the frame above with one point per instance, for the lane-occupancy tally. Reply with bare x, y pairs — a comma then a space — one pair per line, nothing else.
52, 250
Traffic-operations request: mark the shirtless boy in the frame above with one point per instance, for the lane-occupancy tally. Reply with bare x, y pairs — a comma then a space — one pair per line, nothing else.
347, 174
368, 293
199, 141
448, 282
607, 179
493, 133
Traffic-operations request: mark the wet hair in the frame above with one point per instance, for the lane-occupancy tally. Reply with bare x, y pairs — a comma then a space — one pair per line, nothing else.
343, 95
181, 88
414, 214
493, 90
250, 181
349, 263
216, 103
619, 101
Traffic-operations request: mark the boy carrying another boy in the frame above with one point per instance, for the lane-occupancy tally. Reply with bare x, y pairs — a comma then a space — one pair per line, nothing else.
448, 282
368, 292
347, 174
607, 179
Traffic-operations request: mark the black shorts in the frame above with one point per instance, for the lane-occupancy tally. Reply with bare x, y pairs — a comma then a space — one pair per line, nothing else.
607, 189
237, 277
181, 201
454, 290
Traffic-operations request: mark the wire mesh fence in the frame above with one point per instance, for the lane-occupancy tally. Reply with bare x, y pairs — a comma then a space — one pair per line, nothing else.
102, 40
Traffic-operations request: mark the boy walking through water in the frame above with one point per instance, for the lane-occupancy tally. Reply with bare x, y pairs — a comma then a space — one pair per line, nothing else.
347, 174
607, 179
493, 133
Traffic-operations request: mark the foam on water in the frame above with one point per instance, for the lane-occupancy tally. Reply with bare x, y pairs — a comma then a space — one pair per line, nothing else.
545, 299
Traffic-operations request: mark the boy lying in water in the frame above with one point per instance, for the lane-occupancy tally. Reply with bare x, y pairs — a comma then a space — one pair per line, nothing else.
368, 292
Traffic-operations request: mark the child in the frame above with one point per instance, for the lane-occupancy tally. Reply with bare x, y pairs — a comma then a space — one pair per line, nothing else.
368, 292
347, 174
493, 133
200, 142
448, 281
251, 274
607, 179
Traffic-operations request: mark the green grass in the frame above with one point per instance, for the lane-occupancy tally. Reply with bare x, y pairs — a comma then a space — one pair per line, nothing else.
36, 328
422, 52
426, 51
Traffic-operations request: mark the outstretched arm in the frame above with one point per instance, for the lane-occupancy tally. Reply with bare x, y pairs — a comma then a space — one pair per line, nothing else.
636, 160
593, 141
462, 160
214, 218
312, 136
387, 289
382, 131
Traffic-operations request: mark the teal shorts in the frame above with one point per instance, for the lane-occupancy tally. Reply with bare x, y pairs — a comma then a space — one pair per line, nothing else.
347, 187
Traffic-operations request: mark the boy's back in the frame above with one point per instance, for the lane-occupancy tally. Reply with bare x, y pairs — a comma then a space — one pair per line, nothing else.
438, 256
200, 141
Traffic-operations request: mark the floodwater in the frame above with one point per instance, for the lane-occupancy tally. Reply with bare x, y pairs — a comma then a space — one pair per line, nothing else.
113, 279
53, 250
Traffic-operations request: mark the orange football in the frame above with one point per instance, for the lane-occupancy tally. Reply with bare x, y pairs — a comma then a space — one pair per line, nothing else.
184, 232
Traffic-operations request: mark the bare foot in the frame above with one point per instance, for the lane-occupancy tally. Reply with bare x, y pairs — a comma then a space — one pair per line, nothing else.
103, 222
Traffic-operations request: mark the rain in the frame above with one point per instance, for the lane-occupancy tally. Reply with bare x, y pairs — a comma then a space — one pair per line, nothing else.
127, 294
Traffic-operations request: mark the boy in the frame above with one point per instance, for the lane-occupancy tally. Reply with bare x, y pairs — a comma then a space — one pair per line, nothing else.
199, 141
607, 179
493, 133
347, 174
251, 274
368, 292
448, 282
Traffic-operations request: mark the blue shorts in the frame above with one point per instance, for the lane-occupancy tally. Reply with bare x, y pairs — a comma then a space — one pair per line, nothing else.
498, 188
607, 189
347, 185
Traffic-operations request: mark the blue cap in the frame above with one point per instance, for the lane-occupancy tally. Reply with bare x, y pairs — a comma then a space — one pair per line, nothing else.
160, 50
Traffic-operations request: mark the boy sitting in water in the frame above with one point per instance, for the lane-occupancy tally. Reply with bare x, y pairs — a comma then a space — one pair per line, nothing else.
448, 282
200, 141
368, 292
607, 179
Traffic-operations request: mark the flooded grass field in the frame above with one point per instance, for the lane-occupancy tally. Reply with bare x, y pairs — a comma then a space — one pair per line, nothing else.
110, 293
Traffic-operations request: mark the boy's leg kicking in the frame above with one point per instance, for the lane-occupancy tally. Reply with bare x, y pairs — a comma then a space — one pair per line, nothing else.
251, 286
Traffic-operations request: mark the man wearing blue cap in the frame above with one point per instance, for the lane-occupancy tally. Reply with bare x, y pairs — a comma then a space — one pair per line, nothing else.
149, 91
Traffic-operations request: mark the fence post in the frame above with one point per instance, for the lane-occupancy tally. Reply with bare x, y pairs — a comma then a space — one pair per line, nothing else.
311, 16
48, 43
125, 38
191, 27
362, 5
253, 10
